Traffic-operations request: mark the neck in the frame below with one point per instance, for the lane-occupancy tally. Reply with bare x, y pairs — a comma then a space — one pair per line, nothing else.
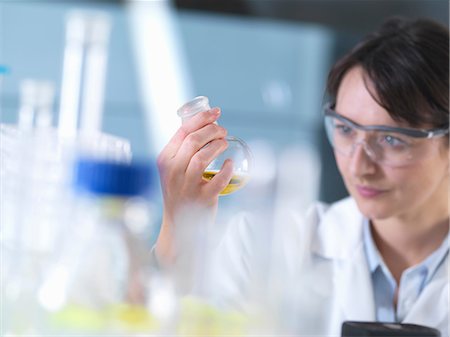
406, 240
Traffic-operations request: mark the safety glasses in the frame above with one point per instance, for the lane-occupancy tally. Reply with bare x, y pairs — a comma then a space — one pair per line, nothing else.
392, 146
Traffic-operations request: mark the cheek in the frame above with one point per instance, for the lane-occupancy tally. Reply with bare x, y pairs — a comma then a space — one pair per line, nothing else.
421, 179
340, 162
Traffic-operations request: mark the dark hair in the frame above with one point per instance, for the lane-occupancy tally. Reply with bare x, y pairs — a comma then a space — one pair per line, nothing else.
407, 62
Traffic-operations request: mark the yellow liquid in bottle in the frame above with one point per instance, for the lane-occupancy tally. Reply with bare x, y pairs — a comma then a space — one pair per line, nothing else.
237, 181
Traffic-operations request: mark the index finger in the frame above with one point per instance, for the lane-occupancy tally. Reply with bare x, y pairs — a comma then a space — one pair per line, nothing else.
193, 124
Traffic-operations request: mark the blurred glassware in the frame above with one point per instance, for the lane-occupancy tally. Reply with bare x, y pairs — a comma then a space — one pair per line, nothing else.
99, 280
36, 161
35, 172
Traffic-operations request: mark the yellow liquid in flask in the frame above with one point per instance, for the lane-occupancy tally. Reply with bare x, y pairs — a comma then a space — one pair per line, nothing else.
237, 181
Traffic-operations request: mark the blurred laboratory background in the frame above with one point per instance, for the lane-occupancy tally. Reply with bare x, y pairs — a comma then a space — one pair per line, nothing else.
89, 92
263, 62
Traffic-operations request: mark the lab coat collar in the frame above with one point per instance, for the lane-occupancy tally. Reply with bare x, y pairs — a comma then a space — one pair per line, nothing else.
340, 231
339, 238
432, 306
354, 291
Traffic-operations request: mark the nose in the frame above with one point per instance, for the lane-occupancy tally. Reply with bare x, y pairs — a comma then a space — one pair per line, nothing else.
362, 160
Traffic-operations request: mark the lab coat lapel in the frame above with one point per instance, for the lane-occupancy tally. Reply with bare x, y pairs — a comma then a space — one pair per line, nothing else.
340, 240
354, 291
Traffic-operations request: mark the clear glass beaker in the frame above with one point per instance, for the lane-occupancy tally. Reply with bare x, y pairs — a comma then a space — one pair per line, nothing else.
237, 150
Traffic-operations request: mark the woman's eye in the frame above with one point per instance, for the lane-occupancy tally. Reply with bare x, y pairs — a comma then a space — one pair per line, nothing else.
344, 130
393, 141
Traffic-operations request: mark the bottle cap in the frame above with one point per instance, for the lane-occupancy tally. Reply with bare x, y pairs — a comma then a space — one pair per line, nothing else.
193, 107
112, 178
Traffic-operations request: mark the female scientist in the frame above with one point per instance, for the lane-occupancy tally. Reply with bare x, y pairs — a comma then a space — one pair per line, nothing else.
382, 253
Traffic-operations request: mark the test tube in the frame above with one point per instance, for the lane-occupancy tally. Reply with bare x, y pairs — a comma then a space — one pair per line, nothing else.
95, 73
85, 60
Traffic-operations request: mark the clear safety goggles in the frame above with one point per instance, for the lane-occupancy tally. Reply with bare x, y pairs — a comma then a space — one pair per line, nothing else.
391, 146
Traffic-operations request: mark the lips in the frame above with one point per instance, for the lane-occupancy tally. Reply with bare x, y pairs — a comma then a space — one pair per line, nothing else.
369, 192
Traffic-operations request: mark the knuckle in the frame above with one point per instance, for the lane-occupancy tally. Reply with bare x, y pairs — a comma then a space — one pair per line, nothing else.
217, 129
161, 161
193, 139
223, 130
183, 131
199, 162
220, 144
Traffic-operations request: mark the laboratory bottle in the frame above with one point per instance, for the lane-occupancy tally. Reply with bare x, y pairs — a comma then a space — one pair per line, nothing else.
98, 284
27, 190
237, 150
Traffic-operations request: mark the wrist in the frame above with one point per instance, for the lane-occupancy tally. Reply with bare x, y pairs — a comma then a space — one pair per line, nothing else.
163, 250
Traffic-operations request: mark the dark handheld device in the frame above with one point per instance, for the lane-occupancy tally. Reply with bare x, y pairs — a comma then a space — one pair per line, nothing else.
379, 329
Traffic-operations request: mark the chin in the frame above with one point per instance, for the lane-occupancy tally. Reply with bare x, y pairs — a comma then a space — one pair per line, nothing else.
375, 209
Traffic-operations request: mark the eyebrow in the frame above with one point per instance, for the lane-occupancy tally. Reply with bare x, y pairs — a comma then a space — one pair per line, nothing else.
332, 107
367, 127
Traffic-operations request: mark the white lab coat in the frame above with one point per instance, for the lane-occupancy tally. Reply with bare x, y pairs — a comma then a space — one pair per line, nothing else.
320, 271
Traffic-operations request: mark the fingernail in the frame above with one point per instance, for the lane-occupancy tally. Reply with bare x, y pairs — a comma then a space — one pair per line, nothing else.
214, 111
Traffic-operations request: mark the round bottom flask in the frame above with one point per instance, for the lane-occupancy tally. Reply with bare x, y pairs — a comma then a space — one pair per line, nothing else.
237, 150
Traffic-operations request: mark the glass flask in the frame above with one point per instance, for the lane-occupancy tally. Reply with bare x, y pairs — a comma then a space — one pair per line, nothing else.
237, 150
